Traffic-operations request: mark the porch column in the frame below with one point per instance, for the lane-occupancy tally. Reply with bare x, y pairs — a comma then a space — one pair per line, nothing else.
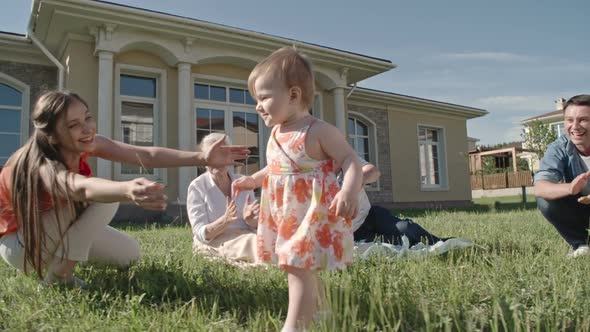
514, 160
104, 168
185, 174
339, 113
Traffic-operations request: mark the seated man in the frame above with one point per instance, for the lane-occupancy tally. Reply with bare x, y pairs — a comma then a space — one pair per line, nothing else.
561, 183
376, 223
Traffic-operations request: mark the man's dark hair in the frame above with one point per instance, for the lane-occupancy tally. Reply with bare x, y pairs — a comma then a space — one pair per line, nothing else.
579, 100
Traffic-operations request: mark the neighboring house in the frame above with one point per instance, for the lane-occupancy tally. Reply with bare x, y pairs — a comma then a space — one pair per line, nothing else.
156, 79
505, 157
555, 120
472, 144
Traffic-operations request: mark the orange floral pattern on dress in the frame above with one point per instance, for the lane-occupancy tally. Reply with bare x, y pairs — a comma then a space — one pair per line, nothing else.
303, 247
324, 236
301, 190
337, 244
296, 228
288, 227
297, 145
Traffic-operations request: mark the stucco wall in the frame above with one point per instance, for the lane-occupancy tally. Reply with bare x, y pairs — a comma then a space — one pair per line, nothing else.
405, 170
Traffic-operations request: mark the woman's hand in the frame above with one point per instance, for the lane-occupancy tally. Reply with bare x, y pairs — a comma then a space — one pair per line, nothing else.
219, 155
250, 212
147, 194
231, 214
345, 204
243, 183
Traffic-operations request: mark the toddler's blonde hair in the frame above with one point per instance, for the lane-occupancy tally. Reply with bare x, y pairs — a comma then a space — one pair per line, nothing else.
290, 66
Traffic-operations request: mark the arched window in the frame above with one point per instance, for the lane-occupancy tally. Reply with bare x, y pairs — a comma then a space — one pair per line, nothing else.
359, 138
362, 138
13, 116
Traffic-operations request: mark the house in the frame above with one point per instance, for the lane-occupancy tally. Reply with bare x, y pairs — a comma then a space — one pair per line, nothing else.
556, 122
152, 78
472, 143
504, 157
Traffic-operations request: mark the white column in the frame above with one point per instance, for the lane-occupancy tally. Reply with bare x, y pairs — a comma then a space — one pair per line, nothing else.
185, 117
339, 113
104, 168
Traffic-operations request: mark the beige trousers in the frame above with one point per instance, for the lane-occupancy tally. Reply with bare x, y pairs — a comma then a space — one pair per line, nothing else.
238, 245
88, 238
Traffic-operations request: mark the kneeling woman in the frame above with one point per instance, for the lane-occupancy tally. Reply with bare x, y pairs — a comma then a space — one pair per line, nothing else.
53, 213
222, 226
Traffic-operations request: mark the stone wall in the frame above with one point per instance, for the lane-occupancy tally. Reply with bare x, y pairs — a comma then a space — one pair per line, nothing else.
39, 78
379, 117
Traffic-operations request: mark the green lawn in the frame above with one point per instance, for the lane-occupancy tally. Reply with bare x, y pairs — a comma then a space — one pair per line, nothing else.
516, 278
504, 200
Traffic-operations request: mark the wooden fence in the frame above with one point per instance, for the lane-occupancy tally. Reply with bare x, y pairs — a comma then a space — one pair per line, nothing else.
502, 180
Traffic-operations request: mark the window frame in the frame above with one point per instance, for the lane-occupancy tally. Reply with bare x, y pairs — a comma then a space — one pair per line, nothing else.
554, 125
160, 113
228, 109
442, 159
24, 108
372, 136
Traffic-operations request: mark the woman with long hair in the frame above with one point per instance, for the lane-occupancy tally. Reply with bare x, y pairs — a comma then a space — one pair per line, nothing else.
54, 213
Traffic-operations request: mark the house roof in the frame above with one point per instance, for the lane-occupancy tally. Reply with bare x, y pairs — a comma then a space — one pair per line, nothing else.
56, 21
241, 29
416, 103
544, 116
16, 47
12, 34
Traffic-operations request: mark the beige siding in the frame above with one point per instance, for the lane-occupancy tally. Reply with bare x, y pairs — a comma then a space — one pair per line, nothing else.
405, 160
223, 70
81, 75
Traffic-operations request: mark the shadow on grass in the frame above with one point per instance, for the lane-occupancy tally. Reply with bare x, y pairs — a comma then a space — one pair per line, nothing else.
210, 285
497, 206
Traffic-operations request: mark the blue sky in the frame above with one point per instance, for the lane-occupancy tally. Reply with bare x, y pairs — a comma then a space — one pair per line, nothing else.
512, 58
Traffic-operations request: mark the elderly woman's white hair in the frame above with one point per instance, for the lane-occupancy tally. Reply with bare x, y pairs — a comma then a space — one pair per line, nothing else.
208, 140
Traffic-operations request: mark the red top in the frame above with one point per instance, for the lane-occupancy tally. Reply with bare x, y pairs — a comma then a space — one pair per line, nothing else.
8, 222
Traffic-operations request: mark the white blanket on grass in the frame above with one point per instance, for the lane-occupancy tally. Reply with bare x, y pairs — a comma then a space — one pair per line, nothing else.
363, 250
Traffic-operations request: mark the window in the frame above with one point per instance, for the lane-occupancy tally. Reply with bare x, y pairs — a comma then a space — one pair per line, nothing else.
139, 108
558, 128
210, 92
11, 112
358, 137
362, 138
245, 132
234, 115
209, 121
431, 153
241, 96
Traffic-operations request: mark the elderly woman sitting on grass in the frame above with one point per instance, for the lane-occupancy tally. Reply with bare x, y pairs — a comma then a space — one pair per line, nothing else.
222, 226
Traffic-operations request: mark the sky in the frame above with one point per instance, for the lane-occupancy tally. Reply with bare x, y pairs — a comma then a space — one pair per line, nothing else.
511, 58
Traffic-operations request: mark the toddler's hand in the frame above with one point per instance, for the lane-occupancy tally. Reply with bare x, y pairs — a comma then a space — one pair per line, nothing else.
345, 204
243, 183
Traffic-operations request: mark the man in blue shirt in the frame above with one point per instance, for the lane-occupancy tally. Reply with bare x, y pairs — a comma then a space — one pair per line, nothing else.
562, 185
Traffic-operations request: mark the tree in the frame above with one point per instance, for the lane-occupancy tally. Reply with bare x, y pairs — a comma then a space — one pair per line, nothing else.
537, 136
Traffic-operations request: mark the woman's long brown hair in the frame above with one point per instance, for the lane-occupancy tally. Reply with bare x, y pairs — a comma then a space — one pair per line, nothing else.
26, 183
